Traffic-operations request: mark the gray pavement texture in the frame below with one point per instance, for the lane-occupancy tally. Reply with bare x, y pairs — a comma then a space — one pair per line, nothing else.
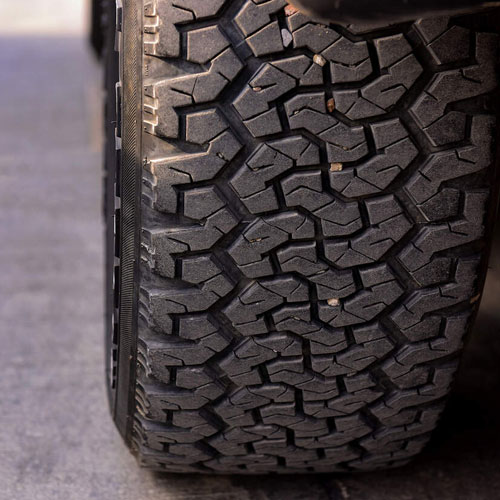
56, 438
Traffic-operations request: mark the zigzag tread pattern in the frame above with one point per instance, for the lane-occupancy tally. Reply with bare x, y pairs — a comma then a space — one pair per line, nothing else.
314, 212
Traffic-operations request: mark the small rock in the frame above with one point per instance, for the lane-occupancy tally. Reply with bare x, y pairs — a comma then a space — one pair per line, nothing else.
333, 302
319, 60
256, 89
330, 105
475, 298
336, 167
286, 37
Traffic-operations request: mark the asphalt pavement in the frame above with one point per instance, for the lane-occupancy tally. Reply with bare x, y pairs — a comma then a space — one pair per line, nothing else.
56, 438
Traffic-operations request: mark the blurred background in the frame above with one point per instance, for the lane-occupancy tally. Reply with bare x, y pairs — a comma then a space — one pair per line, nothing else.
56, 438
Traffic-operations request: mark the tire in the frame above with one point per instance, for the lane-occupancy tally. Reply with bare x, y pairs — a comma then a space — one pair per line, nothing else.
302, 228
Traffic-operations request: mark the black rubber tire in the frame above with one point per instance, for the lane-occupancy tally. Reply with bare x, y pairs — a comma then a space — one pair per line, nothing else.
303, 230
111, 208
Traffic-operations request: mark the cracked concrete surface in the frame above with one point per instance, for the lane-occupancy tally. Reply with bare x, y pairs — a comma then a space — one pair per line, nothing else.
56, 438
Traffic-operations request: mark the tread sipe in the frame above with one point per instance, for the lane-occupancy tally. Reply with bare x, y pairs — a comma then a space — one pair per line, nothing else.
316, 203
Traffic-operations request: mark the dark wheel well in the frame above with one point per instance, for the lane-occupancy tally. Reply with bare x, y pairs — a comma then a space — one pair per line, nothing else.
98, 23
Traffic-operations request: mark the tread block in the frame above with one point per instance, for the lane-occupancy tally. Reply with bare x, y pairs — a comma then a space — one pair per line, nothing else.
161, 20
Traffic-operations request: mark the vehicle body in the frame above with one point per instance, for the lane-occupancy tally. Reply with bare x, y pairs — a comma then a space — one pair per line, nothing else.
373, 12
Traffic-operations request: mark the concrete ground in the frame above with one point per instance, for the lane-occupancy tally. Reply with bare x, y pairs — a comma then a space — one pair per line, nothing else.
56, 438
